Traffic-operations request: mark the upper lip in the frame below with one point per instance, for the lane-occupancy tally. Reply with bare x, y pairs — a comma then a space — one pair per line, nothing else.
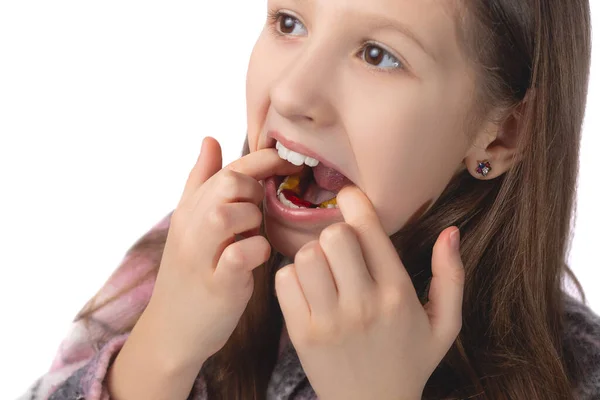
273, 136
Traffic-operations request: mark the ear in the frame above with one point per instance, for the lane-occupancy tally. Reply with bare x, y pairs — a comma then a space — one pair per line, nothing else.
496, 144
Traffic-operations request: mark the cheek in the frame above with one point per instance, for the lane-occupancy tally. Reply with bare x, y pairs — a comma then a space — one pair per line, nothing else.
259, 81
406, 162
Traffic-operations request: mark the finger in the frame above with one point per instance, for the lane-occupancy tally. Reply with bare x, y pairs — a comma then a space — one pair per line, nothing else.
251, 232
316, 280
224, 222
209, 162
294, 306
344, 256
447, 284
262, 164
232, 186
234, 270
229, 219
379, 253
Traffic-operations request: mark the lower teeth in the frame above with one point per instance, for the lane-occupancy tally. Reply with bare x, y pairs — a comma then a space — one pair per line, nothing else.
291, 186
288, 203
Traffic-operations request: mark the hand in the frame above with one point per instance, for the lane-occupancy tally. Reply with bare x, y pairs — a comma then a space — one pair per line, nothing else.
205, 277
353, 314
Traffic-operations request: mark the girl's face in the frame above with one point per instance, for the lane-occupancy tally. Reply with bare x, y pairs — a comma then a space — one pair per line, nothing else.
378, 88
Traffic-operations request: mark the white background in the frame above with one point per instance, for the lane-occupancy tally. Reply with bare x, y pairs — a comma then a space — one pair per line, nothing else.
103, 107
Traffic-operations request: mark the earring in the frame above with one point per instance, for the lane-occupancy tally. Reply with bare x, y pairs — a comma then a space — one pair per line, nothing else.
483, 167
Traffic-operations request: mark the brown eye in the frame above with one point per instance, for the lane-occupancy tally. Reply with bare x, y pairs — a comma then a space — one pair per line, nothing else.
373, 54
379, 57
287, 24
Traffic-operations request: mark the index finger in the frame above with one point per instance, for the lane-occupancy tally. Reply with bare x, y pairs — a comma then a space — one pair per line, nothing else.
378, 250
262, 164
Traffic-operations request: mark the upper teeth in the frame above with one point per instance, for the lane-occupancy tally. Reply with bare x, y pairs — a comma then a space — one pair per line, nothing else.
295, 158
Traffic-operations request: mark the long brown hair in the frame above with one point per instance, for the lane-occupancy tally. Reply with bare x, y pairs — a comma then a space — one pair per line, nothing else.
515, 229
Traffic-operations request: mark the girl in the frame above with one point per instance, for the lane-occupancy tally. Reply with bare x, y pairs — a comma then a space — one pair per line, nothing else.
327, 261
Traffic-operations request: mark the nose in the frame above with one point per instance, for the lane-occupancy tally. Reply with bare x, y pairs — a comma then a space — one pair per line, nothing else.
304, 89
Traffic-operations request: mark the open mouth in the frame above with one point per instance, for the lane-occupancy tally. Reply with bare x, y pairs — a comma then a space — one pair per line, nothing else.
316, 186
303, 191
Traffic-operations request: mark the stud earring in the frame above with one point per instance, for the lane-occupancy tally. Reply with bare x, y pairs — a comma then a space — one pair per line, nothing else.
483, 167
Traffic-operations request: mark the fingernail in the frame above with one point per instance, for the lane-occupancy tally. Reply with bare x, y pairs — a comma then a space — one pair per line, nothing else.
455, 239
202, 145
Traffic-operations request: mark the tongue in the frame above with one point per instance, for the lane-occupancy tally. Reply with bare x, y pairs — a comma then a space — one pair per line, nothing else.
329, 179
325, 186
317, 195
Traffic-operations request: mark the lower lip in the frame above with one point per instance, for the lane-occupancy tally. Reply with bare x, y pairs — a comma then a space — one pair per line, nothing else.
299, 215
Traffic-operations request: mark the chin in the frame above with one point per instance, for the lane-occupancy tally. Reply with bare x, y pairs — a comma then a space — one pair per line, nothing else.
287, 240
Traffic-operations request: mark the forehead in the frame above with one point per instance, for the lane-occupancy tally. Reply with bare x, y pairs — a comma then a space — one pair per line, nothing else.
432, 22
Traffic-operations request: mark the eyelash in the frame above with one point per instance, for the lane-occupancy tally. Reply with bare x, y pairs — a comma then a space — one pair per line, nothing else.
273, 17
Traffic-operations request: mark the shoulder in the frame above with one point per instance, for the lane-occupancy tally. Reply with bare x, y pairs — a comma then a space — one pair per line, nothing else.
582, 345
581, 322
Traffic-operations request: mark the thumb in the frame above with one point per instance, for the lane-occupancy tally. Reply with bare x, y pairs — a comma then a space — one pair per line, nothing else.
446, 289
209, 162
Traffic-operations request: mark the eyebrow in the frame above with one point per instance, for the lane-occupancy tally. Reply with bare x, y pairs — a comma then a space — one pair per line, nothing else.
386, 23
